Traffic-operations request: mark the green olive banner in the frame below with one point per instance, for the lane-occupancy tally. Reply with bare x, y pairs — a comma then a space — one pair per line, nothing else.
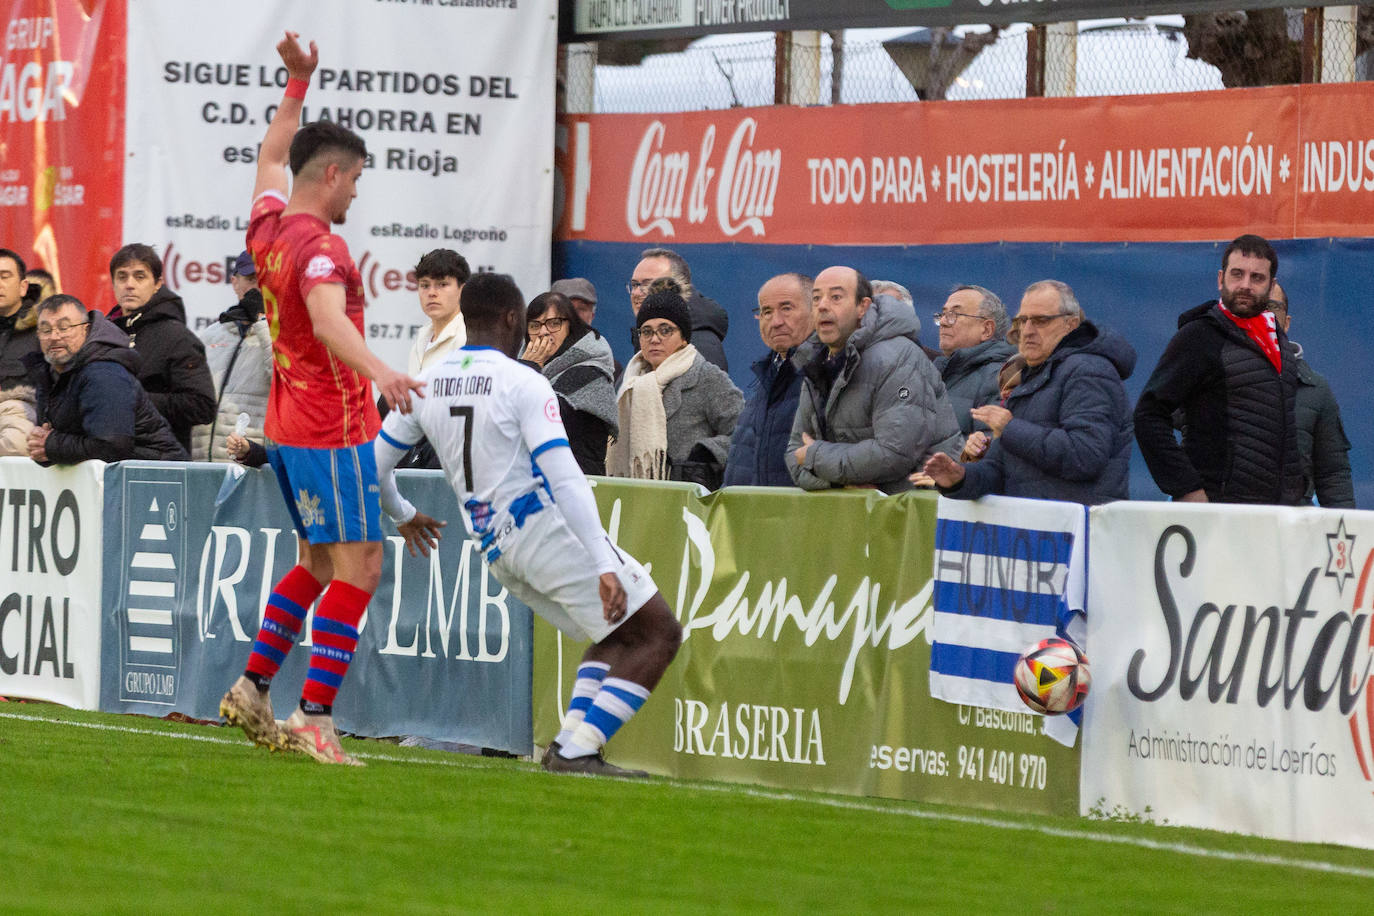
805, 663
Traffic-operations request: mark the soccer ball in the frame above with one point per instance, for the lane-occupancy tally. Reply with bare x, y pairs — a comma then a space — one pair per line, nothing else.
1052, 676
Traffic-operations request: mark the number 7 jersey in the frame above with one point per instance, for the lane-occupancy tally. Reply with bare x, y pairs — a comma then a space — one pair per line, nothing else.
489, 418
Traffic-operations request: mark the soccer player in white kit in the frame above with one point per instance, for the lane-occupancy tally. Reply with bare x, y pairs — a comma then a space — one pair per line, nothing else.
495, 425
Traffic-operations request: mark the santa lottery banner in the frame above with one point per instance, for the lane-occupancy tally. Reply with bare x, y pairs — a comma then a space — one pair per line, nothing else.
139, 121
1231, 669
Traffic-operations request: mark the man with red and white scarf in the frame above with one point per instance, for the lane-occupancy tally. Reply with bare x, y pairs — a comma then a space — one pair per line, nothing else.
1230, 377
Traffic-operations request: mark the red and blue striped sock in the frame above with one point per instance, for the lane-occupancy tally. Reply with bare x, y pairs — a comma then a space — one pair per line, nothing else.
335, 633
281, 623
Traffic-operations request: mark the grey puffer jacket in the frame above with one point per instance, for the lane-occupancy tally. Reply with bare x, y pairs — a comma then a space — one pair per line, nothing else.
970, 378
885, 414
1070, 432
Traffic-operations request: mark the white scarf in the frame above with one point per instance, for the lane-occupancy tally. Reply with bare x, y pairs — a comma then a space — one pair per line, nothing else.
641, 449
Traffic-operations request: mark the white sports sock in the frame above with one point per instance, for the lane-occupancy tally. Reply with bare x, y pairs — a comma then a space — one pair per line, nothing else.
616, 702
589, 678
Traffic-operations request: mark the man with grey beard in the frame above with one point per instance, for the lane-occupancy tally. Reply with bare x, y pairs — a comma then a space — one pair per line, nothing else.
90, 403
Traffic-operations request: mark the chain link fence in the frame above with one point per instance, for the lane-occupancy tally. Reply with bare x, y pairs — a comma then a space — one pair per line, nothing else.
1128, 57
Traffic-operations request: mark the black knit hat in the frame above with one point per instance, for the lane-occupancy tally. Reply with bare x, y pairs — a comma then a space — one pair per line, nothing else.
669, 306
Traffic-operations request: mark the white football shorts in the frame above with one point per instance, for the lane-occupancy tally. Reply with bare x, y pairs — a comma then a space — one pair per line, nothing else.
545, 565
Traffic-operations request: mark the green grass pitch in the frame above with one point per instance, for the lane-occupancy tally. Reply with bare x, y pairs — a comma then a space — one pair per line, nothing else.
122, 814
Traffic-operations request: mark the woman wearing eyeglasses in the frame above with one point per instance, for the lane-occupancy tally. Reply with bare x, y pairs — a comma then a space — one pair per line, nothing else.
676, 410
578, 364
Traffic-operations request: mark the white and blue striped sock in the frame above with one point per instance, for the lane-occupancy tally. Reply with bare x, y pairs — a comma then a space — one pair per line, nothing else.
588, 684
616, 702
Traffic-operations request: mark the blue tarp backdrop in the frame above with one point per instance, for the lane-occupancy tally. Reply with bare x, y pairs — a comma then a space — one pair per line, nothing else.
1137, 288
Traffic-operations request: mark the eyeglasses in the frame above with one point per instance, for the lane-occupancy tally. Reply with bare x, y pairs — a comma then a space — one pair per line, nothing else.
61, 329
767, 313
1036, 321
647, 333
548, 324
638, 286
949, 318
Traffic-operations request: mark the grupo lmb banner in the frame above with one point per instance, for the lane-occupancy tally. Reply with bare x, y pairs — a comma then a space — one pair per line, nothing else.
1231, 669
455, 103
1285, 162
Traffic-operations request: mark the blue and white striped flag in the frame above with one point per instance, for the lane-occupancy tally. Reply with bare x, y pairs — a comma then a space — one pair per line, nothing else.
1008, 573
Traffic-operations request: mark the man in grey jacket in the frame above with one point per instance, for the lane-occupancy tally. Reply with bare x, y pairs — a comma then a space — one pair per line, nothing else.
973, 329
873, 407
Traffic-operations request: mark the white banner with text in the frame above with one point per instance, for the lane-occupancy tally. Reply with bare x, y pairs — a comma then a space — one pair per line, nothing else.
456, 104
1231, 669
50, 600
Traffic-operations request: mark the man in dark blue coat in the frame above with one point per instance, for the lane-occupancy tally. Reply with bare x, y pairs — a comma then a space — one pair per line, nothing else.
90, 403
761, 433
1065, 432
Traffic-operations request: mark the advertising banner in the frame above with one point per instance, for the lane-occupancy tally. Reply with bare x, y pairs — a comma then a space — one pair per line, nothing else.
1008, 573
62, 120
805, 662
50, 554
1231, 669
1283, 162
192, 553
455, 102
658, 18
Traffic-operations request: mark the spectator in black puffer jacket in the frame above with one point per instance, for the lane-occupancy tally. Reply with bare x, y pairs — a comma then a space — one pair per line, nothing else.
172, 365
90, 404
1231, 372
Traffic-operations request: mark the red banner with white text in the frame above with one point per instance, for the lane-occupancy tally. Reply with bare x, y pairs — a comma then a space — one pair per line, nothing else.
62, 124
1284, 162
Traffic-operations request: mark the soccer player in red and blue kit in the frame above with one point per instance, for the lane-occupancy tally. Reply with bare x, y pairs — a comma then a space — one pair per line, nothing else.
320, 416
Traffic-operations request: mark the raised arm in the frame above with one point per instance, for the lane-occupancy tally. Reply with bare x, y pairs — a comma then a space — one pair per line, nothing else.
274, 155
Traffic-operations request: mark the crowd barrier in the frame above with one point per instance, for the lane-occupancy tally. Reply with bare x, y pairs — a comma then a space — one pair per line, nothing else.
807, 651
1230, 646
1231, 665
138, 587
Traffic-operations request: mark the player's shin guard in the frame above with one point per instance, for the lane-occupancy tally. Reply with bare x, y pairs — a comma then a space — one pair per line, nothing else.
616, 702
335, 634
588, 684
281, 623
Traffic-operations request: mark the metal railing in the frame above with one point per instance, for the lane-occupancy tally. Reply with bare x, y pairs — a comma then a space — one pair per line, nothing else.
1128, 57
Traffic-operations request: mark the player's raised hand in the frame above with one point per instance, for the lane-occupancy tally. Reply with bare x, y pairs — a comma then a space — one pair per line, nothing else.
612, 598
421, 534
396, 388
299, 65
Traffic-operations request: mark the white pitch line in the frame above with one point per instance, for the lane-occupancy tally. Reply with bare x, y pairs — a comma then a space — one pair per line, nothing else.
213, 739
1186, 849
